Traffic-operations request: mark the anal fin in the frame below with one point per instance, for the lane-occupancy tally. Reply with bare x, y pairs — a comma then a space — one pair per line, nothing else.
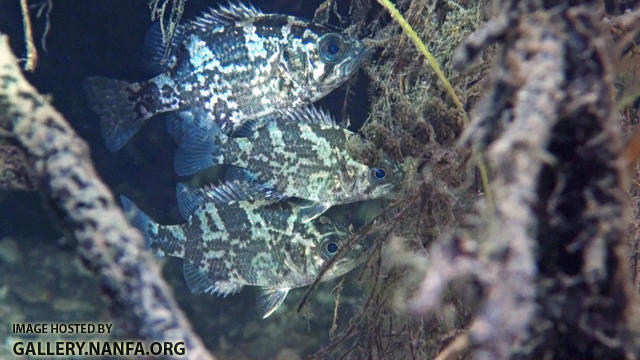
177, 122
188, 200
271, 299
200, 283
189, 124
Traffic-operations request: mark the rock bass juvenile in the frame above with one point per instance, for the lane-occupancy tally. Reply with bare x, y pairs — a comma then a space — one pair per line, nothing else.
229, 242
299, 153
235, 63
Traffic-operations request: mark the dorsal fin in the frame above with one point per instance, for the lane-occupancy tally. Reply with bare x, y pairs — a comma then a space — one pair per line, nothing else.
251, 186
247, 129
155, 54
224, 15
309, 114
189, 199
237, 190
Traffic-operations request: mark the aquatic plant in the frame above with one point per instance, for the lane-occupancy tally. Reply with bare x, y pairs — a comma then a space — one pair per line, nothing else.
492, 276
159, 11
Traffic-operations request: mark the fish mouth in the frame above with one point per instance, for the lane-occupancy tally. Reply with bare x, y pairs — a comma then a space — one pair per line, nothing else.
343, 266
359, 56
385, 189
364, 54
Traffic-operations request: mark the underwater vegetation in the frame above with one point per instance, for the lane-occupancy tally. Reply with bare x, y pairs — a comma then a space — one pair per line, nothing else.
511, 230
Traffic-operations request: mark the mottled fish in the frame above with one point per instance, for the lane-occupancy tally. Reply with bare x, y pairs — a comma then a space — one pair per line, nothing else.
299, 153
235, 63
229, 242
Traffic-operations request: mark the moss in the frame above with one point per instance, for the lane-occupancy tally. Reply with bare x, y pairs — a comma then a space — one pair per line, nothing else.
414, 120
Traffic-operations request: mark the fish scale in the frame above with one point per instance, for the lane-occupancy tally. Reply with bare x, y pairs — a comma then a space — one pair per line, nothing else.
236, 64
231, 240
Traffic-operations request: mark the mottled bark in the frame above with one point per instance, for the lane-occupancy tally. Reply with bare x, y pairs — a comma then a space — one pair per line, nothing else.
551, 255
15, 168
85, 207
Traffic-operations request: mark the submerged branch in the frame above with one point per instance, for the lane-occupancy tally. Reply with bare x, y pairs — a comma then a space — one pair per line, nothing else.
555, 241
85, 207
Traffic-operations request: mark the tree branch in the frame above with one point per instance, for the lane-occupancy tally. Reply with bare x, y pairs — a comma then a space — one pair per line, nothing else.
107, 244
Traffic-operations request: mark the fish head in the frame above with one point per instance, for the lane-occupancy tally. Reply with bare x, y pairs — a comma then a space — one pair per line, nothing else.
306, 255
362, 182
319, 59
336, 240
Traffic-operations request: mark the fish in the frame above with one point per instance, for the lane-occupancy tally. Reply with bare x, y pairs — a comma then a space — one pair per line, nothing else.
298, 153
234, 62
232, 239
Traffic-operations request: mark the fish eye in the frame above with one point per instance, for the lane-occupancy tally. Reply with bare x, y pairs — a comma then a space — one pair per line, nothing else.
329, 247
331, 47
377, 175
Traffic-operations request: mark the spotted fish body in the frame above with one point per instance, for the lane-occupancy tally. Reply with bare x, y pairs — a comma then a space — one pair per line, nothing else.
229, 242
300, 153
236, 64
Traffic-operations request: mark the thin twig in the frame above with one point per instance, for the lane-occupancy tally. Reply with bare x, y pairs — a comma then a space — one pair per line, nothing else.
458, 345
48, 5
32, 53
358, 237
334, 323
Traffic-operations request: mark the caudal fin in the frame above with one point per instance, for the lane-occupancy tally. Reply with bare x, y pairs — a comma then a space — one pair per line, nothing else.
138, 219
119, 120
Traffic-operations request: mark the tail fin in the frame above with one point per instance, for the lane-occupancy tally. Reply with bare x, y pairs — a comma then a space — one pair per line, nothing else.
119, 120
199, 152
137, 218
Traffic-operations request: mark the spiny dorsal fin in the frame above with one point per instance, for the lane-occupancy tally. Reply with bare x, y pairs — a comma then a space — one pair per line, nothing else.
230, 191
240, 186
199, 283
224, 15
252, 186
248, 129
309, 114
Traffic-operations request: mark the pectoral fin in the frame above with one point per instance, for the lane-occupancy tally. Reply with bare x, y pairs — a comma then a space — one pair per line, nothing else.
271, 299
312, 211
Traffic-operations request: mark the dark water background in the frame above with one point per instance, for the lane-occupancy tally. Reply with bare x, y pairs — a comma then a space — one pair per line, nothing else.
104, 37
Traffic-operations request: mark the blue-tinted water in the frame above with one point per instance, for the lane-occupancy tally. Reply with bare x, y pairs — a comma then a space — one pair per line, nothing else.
41, 280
